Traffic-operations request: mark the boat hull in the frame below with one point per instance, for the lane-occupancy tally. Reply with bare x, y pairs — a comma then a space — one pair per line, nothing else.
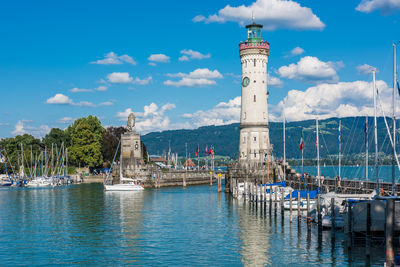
123, 187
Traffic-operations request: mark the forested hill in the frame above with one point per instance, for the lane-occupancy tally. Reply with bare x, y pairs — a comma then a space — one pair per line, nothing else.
225, 138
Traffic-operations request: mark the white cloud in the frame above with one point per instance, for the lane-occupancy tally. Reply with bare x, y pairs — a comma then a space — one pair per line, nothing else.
113, 59
191, 54
312, 70
223, 113
274, 81
119, 77
158, 58
342, 99
60, 99
189, 82
101, 88
297, 51
65, 120
80, 90
198, 77
386, 6
272, 13
366, 69
151, 119
22, 127
143, 81
152, 64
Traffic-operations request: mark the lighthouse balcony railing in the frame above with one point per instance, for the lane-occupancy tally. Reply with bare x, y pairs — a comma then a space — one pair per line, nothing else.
252, 45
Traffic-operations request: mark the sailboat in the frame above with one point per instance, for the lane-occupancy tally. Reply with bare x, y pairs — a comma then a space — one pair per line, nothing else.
5, 180
130, 183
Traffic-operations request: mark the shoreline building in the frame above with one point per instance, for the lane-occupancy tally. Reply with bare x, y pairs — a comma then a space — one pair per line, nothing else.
254, 126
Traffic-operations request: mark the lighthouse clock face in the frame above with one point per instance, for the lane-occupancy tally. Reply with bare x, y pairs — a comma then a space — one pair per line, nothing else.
245, 81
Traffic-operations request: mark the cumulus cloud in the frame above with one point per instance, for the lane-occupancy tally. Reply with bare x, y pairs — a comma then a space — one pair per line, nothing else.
161, 58
23, 127
113, 59
312, 70
386, 6
273, 14
342, 99
296, 51
143, 81
61, 99
80, 90
223, 113
191, 54
198, 77
274, 81
65, 120
101, 88
119, 77
151, 119
366, 69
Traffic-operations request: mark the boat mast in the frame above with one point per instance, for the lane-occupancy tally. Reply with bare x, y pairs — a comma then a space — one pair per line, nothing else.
394, 117
284, 146
366, 148
376, 134
340, 146
317, 144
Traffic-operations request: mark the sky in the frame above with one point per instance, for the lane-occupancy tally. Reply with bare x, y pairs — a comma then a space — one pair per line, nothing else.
176, 64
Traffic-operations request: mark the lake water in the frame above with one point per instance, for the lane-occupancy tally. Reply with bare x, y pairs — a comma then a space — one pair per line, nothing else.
196, 226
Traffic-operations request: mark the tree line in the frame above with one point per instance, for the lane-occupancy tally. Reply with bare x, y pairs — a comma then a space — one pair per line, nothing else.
89, 144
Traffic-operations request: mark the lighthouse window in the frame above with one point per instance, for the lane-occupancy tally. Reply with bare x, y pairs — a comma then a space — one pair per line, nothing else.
255, 155
254, 62
254, 98
255, 139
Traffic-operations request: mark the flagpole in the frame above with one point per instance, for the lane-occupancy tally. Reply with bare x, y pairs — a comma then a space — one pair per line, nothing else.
376, 134
318, 170
340, 147
302, 158
198, 157
394, 117
366, 147
284, 146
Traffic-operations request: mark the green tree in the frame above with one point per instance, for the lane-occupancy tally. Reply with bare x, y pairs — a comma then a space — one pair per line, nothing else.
56, 136
109, 142
85, 146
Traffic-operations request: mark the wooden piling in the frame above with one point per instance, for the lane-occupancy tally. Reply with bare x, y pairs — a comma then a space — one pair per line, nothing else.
291, 208
368, 237
184, 180
350, 225
308, 210
298, 206
319, 213
333, 213
276, 201
270, 199
389, 232
282, 207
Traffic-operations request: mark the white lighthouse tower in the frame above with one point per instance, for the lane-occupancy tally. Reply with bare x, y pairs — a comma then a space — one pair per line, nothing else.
254, 127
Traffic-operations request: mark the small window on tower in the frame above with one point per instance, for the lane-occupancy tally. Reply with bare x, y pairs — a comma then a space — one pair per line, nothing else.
255, 139
255, 155
254, 98
254, 62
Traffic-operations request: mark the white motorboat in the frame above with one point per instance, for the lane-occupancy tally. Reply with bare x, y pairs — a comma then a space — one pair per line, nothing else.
131, 185
302, 203
39, 182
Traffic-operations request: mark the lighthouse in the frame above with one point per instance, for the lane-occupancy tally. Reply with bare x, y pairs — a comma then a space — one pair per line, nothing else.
254, 127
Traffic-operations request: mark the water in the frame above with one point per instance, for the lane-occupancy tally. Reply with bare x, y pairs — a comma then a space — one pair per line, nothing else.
83, 225
353, 172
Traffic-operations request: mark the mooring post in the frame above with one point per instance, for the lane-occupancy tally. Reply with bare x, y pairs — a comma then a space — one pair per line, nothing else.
308, 211
282, 207
298, 206
368, 239
350, 225
265, 197
333, 214
276, 202
184, 179
319, 213
389, 232
290, 207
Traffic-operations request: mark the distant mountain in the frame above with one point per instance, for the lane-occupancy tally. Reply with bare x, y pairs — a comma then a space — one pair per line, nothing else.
225, 138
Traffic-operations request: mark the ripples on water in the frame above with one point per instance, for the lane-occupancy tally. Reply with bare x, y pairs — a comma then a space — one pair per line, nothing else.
82, 224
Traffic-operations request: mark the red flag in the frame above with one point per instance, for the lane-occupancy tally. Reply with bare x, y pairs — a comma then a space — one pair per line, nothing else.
197, 151
301, 142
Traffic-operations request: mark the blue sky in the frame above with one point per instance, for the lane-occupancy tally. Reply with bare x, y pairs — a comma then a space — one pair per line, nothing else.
177, 65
